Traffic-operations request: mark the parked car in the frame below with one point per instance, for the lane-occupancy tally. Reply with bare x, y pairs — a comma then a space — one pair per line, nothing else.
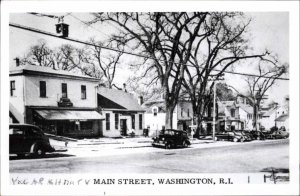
171, 138
235, 136
28, 139
256, 135
279, 134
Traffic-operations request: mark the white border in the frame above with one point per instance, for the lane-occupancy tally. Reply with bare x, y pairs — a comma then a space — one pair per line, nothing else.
92, 6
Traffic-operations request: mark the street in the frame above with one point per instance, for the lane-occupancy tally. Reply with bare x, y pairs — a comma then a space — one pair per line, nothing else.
250, 157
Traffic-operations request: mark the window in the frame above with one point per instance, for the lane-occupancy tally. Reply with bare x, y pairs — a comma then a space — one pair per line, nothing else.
83, 92
64, 90
155, 110
107, 121
133, 121
181, 113
188, 113
43, 89
116, 121
140, 121
86, 125
232, 112
12, 87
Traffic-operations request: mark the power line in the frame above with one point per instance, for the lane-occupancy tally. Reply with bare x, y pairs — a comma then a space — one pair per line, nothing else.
88, 25
125, 52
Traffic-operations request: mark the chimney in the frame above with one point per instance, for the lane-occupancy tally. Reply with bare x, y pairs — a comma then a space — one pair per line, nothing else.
140, 100
17, 62
124, 87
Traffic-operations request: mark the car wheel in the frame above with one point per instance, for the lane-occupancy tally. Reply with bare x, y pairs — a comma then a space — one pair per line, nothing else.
39, 151
168, 145
185, 144
235, 139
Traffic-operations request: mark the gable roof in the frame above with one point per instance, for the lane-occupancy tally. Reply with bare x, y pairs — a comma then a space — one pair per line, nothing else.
147, 106
118, 99
282, 118
247, 108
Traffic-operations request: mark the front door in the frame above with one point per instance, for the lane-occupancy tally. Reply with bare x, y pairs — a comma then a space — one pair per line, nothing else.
123, 126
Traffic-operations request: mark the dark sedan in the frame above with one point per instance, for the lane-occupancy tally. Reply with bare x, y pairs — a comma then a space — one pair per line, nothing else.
171, 138
28, 139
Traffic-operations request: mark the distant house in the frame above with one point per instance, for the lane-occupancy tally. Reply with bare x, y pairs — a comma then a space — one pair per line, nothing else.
183, 116
122, 112
156, 114
58, 101
275, 115
236, 115
283, 120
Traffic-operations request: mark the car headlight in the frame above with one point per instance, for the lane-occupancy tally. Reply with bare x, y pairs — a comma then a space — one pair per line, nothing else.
163, 139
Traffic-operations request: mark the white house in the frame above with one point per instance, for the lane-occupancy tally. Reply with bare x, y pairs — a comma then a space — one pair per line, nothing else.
122, 111
60, 102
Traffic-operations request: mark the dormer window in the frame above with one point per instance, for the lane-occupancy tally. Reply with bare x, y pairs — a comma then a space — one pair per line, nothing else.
155, 111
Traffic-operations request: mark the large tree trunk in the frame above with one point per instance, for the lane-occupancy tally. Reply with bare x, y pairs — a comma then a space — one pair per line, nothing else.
169, 118
254, 121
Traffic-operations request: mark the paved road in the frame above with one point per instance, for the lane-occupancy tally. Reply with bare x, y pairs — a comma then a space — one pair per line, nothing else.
247, 157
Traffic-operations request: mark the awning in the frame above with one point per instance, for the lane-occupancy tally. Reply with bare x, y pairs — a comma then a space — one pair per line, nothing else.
69, 115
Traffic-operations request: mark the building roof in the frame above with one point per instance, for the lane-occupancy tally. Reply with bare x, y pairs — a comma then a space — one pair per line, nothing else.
270, 111
247, 108
147, 106
47, 71
282, 118
117, 99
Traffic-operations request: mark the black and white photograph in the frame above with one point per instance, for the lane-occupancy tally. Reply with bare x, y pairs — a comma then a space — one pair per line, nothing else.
121, 100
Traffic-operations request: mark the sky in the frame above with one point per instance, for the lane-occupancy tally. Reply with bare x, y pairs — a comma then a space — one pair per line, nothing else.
267, 30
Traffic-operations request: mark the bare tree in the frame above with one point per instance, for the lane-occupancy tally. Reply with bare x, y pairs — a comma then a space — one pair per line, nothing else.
104, 63
258, 86
166, 38
223, 46
39, 54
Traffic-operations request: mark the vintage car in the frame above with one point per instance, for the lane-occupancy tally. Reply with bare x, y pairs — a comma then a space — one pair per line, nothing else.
256, 135
28, 139
235, 136
279, 134
171, 138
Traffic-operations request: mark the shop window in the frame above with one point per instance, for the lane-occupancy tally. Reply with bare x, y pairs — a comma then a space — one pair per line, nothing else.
86, 125
43, 90
64, 90
133, 121
12, 87
140, 121
83, 92
116, 121
107, 121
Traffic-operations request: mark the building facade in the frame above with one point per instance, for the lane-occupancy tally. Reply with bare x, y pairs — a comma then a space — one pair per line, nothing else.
122, 112
58, 101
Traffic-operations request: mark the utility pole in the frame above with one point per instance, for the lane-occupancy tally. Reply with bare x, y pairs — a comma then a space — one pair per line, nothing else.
217, 78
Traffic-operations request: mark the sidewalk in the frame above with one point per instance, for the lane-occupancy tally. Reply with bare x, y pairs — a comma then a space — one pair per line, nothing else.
121, 146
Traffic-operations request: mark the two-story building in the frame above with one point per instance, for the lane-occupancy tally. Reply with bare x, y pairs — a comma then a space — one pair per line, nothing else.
58, 101
183, 116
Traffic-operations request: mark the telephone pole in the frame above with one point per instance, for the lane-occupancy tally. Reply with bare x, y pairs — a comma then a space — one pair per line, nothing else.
215, 78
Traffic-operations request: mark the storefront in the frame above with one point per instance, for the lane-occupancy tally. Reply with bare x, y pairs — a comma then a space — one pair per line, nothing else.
71, 123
